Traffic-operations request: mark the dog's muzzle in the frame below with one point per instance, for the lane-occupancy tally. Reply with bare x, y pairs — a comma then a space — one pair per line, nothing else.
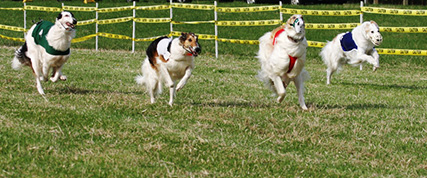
195, 52
71, 26
377, 40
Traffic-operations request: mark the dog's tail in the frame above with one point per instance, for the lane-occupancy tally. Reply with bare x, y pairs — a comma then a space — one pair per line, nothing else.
21, 58
149, 78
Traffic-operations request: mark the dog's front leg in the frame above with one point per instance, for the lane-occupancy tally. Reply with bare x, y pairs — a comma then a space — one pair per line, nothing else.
57, 74
184, 79
376, 61
280, 89
299, 83
38, 74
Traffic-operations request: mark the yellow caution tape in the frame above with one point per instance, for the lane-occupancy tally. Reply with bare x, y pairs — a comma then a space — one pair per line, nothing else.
40, 8
86, 22
116, 20
159, 7
331, 26
201, 36
377, 10
152, 20
193, 6
13, 28
409, 52
74, 8
146, 39
404, 29
247, 9
12, 8
77, 40
115, 9
316, 44
12, 38
251, 42
114, 36
321, 12
194, 22
249, 23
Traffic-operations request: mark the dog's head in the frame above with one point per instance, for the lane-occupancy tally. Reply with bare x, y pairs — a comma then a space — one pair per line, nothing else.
190, 42
296, 25
66, 20
373, 32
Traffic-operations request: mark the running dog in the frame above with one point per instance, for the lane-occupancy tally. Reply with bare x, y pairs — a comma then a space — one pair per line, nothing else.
282, 55
169, 60
355, 47
47, 45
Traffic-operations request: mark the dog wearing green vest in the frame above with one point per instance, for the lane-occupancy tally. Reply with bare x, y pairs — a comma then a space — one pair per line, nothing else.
47, 46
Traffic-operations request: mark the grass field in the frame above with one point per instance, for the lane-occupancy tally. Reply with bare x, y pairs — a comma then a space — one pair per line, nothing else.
225, 123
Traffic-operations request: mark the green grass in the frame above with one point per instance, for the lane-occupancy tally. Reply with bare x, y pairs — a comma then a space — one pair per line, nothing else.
99, 123
224, 123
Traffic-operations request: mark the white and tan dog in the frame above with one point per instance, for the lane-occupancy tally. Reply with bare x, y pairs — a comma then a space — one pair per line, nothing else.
353, 47
169, 60
282, 54
47, 45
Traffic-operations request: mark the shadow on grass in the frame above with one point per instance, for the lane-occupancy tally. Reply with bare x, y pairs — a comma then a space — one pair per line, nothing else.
81, 91
390, 86
358, 106
240, 104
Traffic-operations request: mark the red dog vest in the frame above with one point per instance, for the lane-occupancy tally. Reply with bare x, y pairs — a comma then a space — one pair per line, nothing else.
291, 58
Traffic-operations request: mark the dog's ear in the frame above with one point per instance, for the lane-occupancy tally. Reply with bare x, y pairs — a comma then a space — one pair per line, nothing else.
183, 37
59, 16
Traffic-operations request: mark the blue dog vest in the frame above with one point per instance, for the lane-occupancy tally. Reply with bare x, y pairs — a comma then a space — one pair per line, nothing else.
39, 35
347, 42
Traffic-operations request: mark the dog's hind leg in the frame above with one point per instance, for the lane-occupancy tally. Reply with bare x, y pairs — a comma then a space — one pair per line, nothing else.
168, 82
280, 89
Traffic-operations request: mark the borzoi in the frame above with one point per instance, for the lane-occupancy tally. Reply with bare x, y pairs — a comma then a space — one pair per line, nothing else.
47, 45
353, 47
169, 60
282, 55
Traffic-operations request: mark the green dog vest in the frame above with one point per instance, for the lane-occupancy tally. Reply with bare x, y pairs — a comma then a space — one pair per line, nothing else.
39, 35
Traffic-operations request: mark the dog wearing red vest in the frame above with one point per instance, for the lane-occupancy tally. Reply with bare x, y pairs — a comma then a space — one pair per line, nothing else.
282, 54
169, 60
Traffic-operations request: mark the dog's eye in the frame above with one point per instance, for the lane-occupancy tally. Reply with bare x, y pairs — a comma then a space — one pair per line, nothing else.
190, 40
372, 31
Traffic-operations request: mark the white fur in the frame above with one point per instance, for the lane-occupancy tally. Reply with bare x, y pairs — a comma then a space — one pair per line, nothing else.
59, 37
275, 61
366, 36
178, 67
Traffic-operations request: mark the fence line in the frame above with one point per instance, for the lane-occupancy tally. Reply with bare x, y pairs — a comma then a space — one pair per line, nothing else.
216, 22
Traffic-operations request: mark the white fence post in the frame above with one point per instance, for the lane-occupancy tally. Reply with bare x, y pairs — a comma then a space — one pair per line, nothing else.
96, 27
361, 21
133, 26
216, 31
171, 16
280, 12
25, 19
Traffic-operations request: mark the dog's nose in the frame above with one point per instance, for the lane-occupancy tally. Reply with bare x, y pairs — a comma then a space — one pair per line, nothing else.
198, 49
74, 21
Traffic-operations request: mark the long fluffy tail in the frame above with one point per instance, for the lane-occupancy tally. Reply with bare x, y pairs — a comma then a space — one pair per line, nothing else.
264, 52
20, 58
325, 53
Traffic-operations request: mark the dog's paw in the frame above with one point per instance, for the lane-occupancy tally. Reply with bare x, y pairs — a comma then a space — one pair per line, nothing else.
63, 77
304, 108
42, 78
53, 79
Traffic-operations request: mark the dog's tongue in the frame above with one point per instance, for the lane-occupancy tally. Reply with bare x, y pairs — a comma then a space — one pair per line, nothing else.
70, 25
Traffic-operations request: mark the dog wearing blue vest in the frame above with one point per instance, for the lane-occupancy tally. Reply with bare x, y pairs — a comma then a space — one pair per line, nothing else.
282, 54
47, 46
168, 61
355, 47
